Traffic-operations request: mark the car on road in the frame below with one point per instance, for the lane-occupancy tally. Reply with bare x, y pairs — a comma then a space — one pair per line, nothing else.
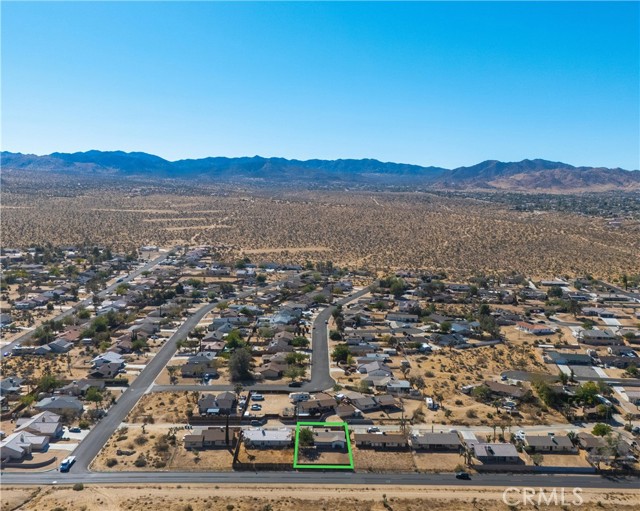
256, 407
257, 397
295, 384
75, 430
6, 354
373, 429
463, 475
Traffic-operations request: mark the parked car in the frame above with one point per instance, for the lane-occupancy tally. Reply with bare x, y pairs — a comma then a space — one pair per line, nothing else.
256, 407
257, 397
373, 429
75, 430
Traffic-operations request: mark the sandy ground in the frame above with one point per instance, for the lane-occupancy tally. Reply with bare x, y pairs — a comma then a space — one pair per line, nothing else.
437, 461
264, 498
378, 461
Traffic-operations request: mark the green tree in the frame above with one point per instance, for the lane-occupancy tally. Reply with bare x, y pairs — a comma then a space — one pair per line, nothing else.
48, 383
305, 437
93, 395
341, 353
294, 372
240, 364
587, 392
601, 429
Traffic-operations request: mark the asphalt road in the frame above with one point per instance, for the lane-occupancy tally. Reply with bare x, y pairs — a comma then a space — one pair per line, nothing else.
88, 301
98, 436
324, 477
320, 374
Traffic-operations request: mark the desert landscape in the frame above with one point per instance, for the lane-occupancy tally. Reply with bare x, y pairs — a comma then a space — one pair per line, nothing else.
265, 498
376, 231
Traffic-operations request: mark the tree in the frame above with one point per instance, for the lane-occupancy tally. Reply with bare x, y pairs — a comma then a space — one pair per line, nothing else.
48, 383
625, 281
294, 372
601, 429
445, 327
93, 395
305, 437
300, 342
587, 392
122, 289
563, 377
240, 364
172, 370
28, 400
295, 358
341, 353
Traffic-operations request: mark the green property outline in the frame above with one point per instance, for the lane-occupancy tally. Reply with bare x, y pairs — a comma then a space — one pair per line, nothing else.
350, 466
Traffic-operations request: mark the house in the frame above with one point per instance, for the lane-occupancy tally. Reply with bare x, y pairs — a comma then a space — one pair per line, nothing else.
436, 442
10, 386
535, 329
211, 438
365, 403
589, 442
47, 424
383, 441
375, 368
488, 453
272, 370
222, 404
578, 359
62, 405
80, 387
108, 370
108, 358
546, 443
501, 389
402, 318
20, 444
395, 386
5, 319
386, 401
278, 346
329, 439
60, 346
598, 337
347, 411
267, 438
200, 364
621, 362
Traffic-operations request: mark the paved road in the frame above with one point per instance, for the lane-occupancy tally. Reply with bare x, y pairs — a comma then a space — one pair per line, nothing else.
320, 374
329, 477
88, 301
98, 436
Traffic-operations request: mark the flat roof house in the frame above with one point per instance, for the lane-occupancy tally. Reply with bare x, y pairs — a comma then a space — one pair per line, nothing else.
546, 443
267, 438
381, 441
436, 442
488, 453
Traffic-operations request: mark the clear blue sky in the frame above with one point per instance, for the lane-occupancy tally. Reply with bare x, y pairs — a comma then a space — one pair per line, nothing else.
444, 84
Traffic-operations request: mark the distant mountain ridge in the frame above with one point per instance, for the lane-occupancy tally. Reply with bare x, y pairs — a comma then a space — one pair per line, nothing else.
526, 175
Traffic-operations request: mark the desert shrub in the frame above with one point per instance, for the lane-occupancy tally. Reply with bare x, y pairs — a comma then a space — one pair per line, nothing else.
83, 424
78, 487
111, 462
141, 461
140, 440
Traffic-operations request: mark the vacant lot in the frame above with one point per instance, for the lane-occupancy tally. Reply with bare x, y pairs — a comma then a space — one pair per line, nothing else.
371, 460
283, 498
164, 407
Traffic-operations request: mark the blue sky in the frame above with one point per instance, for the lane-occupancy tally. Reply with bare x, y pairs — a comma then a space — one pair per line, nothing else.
444, 84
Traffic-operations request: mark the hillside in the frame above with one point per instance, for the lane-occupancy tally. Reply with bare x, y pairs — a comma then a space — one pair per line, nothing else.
526, 175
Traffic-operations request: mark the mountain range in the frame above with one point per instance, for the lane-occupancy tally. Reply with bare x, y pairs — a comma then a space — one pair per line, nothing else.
527, 175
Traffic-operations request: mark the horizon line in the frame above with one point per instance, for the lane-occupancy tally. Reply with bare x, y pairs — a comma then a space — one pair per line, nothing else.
316, 158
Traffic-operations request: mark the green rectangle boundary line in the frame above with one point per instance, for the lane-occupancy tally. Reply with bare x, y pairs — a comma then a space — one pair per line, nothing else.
344, 425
